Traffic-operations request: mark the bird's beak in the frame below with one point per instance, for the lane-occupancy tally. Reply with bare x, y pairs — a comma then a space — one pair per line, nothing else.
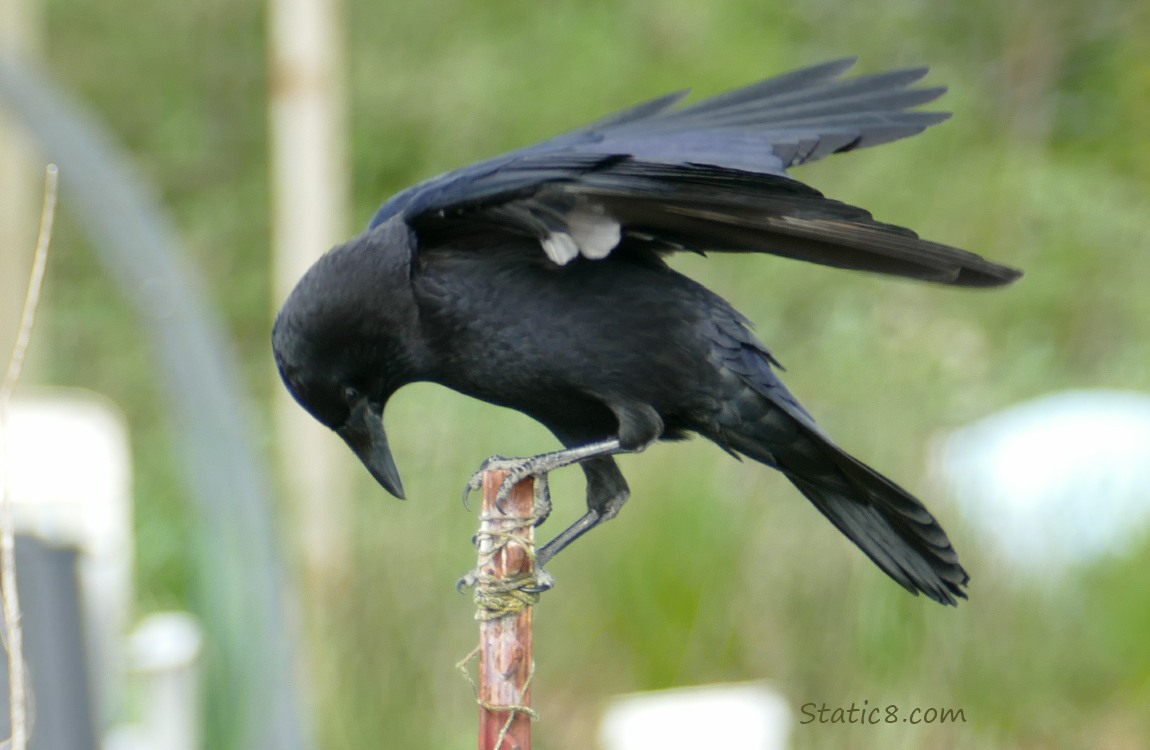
363, 432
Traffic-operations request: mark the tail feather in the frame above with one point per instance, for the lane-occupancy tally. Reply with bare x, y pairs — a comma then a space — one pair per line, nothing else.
892, 527
760, 418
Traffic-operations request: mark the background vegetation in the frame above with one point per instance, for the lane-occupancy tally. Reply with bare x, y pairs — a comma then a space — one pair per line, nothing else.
717, 571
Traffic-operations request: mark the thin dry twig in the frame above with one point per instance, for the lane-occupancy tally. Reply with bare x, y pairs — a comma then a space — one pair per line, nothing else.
13, 634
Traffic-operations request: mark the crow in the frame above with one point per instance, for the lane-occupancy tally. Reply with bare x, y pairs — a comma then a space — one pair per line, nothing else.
536, 280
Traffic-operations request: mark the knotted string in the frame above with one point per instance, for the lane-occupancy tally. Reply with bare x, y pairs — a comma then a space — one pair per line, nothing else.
496, 596
513, 710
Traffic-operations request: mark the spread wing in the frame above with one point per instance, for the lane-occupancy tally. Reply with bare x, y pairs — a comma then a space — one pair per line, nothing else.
705, 177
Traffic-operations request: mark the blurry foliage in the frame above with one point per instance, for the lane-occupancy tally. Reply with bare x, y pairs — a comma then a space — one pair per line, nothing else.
716, 570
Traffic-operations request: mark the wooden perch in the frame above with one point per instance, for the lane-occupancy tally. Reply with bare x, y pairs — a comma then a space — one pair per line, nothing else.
506, 544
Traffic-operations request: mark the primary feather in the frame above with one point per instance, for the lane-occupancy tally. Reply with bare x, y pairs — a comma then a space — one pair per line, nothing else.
710, 176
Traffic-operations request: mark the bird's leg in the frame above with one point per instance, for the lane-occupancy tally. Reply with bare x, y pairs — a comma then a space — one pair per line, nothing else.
539, 467
519, 469
639, 426
585, 523
607, 492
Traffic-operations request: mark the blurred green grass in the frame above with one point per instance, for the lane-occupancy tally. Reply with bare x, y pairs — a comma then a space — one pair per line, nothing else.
716, 570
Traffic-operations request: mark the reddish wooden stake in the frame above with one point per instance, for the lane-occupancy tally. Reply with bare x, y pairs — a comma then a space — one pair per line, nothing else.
505, 665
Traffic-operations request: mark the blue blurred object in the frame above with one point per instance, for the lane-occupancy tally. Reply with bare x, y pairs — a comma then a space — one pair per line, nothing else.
1057, 481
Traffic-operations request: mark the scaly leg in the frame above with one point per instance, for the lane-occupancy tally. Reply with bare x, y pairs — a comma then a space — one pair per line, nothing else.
538, 466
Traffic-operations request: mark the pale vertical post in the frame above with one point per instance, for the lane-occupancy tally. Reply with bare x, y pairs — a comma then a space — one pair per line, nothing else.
21, 174
506, 661
309, 208
20, 196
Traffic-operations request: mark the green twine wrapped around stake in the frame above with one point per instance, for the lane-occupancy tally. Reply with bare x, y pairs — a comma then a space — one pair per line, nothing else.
502, 596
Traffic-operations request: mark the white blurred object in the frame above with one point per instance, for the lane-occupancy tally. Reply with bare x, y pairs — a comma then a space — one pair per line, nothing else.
125, 737
1056, 481
70, 483
165, 655
749, 716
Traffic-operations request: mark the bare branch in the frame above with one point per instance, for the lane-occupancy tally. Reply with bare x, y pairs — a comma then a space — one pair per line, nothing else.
13, 634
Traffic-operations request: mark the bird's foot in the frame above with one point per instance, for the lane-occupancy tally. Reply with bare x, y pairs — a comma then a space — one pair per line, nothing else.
517, 470
544, 581
468, 580
541, 502
540, 582
539, 467
475, 482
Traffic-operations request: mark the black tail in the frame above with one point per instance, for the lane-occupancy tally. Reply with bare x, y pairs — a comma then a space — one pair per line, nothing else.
889, 524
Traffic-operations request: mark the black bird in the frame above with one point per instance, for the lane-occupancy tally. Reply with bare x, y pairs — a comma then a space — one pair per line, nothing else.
536, 281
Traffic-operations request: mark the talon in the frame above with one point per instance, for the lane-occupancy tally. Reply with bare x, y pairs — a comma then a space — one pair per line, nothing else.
541, 503
474, 484
467, 581
543, 582
505, 491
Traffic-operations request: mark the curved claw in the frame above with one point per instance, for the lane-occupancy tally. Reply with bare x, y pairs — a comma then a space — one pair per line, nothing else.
543, 582
504, 492
466, 581
517, 470
475, 483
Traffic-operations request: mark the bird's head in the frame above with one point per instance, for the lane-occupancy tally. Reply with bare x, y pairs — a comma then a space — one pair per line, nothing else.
355, 416
340, 343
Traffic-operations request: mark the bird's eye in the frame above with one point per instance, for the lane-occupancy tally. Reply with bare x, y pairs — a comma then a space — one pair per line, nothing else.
350, 394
